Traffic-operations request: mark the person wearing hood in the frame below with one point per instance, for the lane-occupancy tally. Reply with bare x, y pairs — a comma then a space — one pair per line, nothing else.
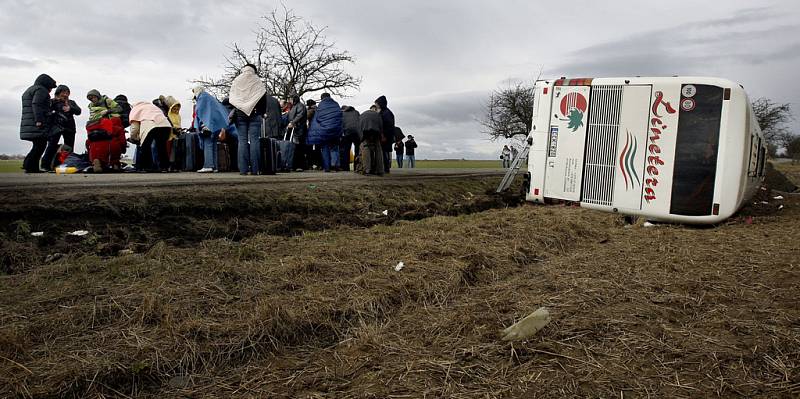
326, 130
248, 97
387, 116
125, 106
150, 129
370, 155
36, 120
104, 115
211, 120
63, 110
298, 124
101, 106
351, 135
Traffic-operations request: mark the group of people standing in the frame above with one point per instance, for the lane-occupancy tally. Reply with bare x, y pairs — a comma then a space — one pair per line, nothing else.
507, 155
323, 134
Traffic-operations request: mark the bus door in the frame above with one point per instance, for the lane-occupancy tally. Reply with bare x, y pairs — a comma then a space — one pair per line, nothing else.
566, 142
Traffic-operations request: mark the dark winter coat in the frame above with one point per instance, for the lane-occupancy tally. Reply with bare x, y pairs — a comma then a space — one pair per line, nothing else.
398, 147
371, 121
36, 108
326, 127
398, 134
125, 115
64, 122
273, 113
297, 117
410, 146
351, 123
387, 116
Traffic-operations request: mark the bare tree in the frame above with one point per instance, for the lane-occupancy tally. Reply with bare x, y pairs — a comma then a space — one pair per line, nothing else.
774, 118
509, 111
292, 56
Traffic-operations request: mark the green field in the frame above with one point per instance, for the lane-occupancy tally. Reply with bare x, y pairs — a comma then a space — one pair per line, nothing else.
14, 166
454, 164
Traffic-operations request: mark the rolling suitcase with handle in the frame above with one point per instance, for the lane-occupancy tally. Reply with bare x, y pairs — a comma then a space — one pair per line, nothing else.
268, 153
286, 150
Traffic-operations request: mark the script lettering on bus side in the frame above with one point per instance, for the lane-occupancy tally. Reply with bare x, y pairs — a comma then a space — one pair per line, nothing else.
657, 127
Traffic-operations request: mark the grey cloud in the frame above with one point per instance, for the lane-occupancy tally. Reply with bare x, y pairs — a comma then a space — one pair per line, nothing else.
11, 62
687, 48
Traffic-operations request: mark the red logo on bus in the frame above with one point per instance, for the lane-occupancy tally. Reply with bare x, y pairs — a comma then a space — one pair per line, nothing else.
573, 107
654, 161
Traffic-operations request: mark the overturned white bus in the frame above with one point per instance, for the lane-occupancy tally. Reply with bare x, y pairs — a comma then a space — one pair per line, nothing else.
673, 149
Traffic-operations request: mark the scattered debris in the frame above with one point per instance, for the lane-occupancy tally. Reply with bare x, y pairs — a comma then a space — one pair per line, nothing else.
399, 266
764, 203
648, 224
385, 213
124, 252
528, 326
38, 234
53, 257
78, 233
779, 198
780, 207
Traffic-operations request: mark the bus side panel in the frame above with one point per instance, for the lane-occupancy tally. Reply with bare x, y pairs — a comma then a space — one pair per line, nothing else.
659, 159
567, 141
632, 147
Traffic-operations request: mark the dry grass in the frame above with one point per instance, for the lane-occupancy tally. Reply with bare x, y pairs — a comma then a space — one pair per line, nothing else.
667, 311
662, 312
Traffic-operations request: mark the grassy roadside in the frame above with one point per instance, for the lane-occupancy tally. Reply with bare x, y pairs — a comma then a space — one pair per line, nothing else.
15, 166
11, 166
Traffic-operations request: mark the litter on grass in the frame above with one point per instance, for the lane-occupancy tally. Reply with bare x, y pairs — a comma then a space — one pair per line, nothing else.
528, 326
399, 266
779, 198
38, 234
385, 213
78, 233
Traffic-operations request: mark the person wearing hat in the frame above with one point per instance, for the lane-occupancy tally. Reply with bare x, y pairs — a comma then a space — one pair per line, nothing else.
411, 145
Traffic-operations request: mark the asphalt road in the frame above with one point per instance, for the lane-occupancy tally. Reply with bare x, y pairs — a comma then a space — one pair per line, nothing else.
49, 181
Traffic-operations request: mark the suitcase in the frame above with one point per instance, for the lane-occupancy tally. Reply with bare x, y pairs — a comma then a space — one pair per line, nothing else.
268, 153
286, 149
223, 157
193, 156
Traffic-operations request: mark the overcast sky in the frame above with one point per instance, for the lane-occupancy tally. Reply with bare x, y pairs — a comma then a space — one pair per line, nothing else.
435, 61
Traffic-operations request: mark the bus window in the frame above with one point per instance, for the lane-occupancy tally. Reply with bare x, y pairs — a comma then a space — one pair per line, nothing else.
696, 151
762, 159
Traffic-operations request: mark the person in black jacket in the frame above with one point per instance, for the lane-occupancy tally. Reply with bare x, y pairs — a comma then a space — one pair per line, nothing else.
63, 110
298, 123
351, 136
387, 141
370, 156
123, 103
411, 145
36, 120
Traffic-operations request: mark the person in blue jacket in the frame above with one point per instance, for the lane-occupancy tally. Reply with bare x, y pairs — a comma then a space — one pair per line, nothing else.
326, 130
211, 120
